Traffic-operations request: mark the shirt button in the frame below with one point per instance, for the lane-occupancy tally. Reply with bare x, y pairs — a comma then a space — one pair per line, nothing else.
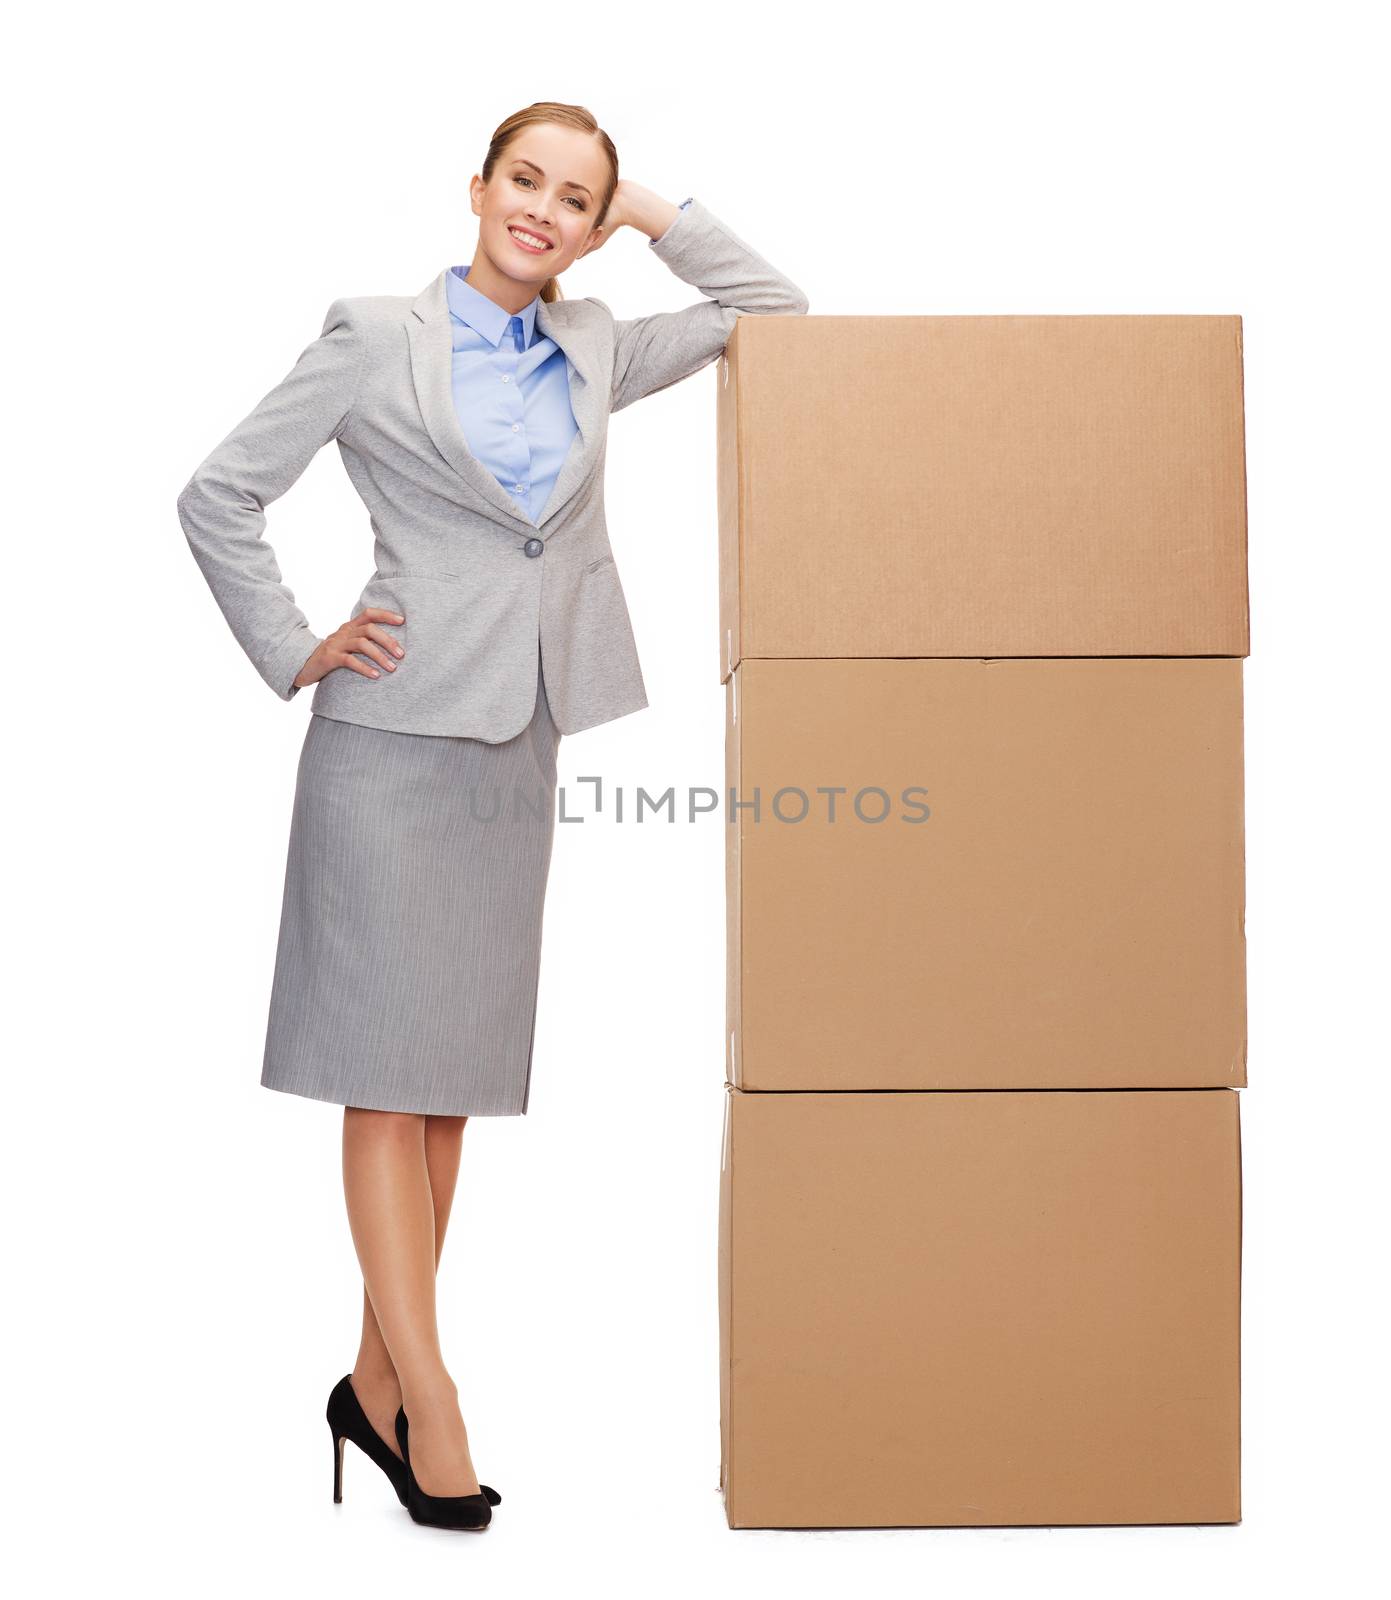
505, 378
516, 427
533, 547
519, 487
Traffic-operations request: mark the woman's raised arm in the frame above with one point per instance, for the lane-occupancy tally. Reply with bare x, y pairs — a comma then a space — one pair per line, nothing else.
651, 353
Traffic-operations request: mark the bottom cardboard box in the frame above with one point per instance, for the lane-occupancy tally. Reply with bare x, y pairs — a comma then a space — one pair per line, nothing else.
980, 1308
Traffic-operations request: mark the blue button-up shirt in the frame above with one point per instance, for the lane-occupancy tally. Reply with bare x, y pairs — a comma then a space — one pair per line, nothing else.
512, 390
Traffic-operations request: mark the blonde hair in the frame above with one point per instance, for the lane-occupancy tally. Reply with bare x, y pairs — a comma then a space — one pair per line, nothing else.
568, 117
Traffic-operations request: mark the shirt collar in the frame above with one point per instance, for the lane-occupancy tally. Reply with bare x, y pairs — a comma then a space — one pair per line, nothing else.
483, 315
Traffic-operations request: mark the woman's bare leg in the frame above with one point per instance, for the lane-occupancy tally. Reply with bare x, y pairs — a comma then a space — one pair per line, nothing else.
374, 1378
391, 1211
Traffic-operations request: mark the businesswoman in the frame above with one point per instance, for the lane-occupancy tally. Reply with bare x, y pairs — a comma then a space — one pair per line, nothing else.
472, 420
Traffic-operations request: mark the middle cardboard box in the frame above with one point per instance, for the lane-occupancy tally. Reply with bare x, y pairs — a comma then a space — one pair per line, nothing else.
1000, 873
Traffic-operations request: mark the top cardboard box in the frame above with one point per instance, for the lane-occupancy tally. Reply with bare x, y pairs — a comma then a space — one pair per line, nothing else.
982, 486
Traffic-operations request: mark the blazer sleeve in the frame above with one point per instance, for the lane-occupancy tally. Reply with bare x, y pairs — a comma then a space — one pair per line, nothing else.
652, 353
222, 507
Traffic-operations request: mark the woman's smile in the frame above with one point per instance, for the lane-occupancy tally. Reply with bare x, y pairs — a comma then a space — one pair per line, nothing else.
532, 243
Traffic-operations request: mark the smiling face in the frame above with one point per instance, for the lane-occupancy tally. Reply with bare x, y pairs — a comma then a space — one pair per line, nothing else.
537, 211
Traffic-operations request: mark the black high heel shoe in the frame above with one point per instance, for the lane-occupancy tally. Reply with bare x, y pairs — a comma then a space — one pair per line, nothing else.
471, 1511
348, 1420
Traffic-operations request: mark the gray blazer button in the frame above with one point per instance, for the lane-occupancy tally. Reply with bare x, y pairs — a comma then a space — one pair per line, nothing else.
533, 547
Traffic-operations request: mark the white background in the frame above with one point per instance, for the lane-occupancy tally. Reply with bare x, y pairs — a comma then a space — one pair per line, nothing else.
193, 185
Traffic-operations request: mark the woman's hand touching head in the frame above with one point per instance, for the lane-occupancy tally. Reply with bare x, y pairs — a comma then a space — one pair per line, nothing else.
634, 206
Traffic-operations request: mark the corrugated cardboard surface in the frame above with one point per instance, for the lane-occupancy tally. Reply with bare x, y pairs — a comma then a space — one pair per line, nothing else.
1070, 915
971, 1309
971, 486
733, 949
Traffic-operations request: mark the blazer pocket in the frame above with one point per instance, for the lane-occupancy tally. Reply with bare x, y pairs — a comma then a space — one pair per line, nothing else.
420, 572
601, 561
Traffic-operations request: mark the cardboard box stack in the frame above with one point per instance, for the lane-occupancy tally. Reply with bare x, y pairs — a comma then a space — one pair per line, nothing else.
983, 615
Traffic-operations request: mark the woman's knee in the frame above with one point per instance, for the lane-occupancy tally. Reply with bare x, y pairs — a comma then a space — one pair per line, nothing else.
404, 1127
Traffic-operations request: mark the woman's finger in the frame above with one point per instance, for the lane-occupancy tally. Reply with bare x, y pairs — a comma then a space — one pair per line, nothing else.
369, 647
350, 660
374, 630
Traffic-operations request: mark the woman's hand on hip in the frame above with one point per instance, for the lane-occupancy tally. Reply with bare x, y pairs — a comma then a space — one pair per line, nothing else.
362, 636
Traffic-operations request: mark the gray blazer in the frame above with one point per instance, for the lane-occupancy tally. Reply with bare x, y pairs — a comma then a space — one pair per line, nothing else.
477, 581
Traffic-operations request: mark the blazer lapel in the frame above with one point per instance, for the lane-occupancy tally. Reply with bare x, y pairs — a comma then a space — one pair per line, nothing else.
586, 401
432, 346
432, 349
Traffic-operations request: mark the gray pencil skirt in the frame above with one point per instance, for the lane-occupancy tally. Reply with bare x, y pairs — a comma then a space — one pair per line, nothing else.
410, 930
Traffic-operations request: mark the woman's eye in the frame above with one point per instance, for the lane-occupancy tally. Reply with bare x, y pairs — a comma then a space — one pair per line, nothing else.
521, 177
